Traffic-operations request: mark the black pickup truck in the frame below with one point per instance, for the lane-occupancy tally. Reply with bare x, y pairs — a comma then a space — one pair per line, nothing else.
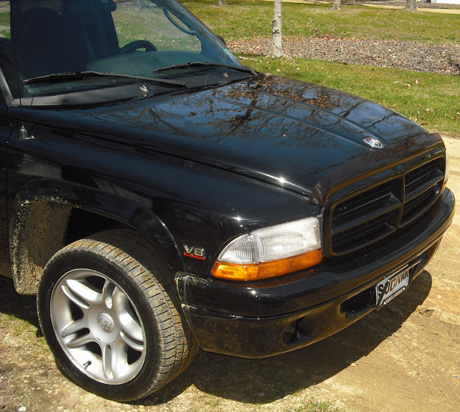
159, 197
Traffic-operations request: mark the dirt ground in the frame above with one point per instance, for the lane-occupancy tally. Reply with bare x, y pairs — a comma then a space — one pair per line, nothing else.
405, 357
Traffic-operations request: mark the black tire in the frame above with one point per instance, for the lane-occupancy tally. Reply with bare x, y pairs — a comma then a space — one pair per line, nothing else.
106, 313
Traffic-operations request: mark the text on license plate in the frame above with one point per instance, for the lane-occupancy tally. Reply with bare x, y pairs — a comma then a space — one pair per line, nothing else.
390, 287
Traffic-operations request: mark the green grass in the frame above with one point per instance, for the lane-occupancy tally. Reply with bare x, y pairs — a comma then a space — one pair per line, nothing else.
4, 19
315, 406
4, 25
251, 18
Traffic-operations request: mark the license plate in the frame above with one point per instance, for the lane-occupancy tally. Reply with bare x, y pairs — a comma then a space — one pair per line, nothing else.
393, 285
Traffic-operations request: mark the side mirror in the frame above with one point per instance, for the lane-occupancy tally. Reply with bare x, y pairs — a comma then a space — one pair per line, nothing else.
221, 39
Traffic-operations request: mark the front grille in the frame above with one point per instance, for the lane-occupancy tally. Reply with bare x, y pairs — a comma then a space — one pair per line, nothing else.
377, 212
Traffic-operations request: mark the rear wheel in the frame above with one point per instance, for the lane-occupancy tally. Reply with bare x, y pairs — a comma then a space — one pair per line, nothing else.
106, 313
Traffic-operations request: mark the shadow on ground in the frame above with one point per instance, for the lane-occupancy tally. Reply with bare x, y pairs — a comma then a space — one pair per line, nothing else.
267, 380
22, 307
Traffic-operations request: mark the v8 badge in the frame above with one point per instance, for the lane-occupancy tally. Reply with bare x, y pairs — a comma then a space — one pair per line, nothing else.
194, 252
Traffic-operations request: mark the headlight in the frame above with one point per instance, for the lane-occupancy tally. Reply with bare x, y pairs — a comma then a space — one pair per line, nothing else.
271, 251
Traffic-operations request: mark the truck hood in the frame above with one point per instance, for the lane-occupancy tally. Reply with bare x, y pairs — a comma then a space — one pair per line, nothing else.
282, 131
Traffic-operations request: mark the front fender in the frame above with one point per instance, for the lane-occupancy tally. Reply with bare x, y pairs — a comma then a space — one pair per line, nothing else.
40, 217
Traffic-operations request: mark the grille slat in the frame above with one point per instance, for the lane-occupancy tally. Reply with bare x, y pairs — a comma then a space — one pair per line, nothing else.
419, 205
380, 198
375, 213
370, 213
363, 235
419, 180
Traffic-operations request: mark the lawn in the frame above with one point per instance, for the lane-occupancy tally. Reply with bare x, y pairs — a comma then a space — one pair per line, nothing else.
4, 24
250, 18
5, 19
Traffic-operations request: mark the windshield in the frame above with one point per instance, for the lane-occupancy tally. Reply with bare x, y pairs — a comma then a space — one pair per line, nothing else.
77, 47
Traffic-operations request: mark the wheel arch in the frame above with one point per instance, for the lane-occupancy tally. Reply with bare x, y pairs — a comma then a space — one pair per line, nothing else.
49, 214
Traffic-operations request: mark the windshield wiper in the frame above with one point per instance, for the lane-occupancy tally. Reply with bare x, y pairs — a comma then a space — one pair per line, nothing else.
86, 74
206, 64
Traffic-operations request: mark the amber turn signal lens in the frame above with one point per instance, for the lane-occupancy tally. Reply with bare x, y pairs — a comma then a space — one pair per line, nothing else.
264, 270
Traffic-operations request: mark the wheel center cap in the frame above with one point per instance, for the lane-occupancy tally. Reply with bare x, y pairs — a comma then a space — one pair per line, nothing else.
105, 322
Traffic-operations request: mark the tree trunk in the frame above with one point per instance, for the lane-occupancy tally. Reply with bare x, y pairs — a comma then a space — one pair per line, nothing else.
410, 5
140, 3
336, 5
277, 24
222, 3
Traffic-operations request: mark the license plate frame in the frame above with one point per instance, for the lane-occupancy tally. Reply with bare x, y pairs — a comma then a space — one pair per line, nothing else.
392, 286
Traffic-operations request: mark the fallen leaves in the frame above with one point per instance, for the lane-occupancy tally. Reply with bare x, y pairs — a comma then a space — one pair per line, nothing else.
436, 58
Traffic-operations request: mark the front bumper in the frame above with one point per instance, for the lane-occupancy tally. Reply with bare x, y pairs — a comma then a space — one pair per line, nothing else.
260, 319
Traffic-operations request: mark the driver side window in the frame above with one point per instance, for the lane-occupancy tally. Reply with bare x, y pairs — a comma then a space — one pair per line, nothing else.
8, 64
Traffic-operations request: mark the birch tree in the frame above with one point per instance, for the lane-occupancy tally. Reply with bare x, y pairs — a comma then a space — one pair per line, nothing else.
410, 5
141, 3
277, 24
336, 4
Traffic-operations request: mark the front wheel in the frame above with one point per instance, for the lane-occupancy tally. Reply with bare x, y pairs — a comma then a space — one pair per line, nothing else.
107, 316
